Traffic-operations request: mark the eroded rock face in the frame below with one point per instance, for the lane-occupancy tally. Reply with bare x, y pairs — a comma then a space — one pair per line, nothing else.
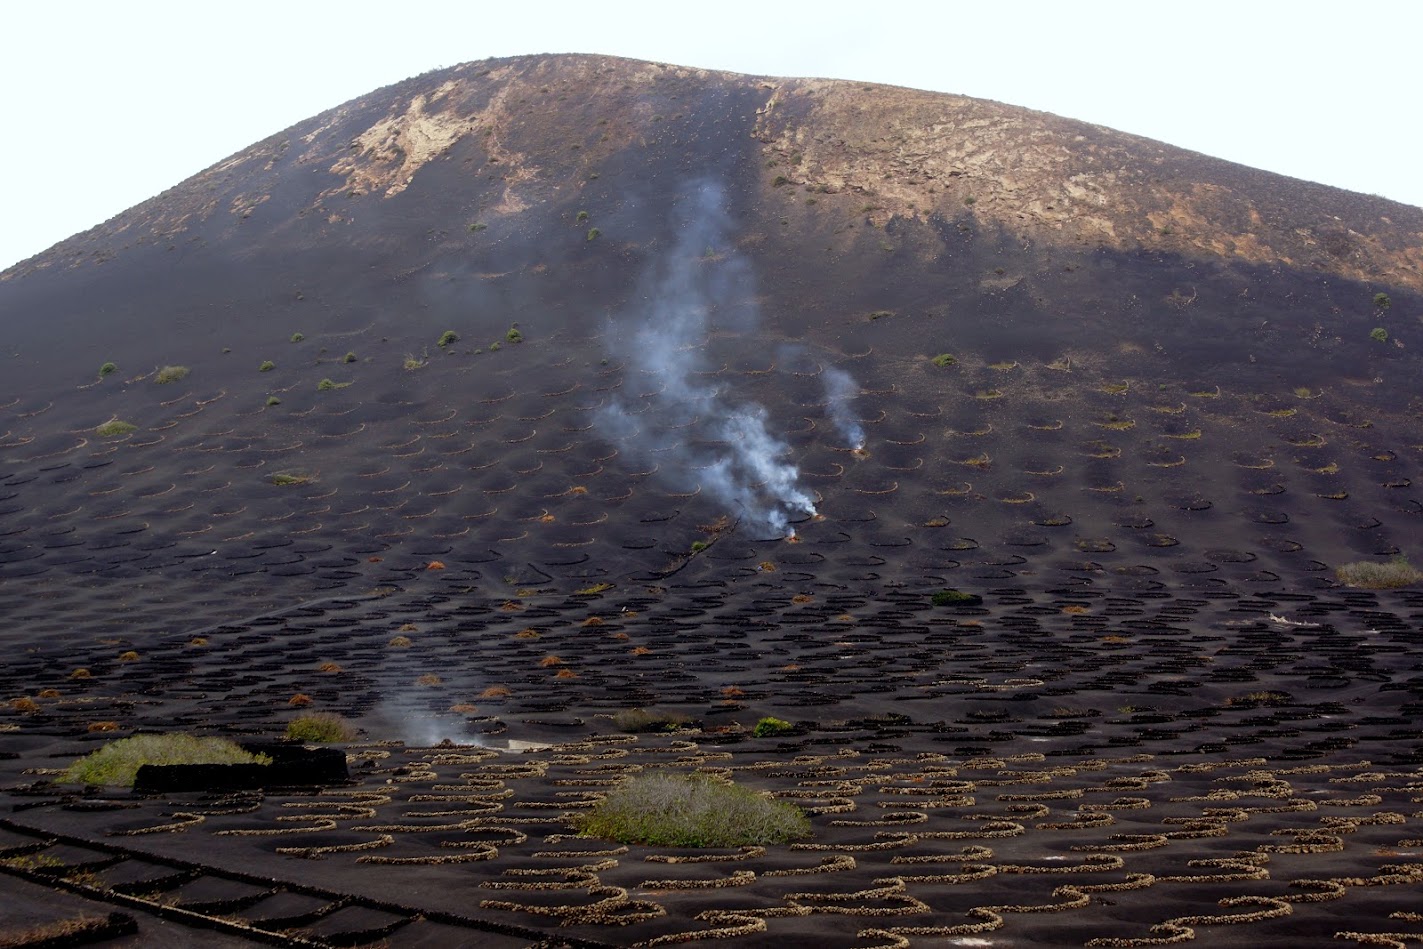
543, 125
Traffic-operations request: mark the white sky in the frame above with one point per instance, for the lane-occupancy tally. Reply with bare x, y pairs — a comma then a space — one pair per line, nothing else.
108, 103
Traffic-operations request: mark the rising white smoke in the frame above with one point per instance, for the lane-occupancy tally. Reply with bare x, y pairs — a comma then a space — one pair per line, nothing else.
700, 433
840, 388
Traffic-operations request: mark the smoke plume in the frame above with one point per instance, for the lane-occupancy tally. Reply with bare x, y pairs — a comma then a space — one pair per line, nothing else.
840, 388
698, 431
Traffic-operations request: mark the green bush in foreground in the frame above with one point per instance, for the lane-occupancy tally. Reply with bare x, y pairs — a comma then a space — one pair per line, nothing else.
320, 727
108, 368
769, 727
1367, 575
446, 338
116, 764
667, 809
943, 360
171, 374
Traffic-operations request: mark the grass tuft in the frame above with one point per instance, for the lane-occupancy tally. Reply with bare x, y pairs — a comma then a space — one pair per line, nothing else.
769, 727
115, 427
1367, 575
116, 764
320, 727
954, 598
667, 809
171, 374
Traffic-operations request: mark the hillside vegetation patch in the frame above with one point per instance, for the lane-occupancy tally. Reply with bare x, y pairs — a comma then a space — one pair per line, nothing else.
116, 764
668, 809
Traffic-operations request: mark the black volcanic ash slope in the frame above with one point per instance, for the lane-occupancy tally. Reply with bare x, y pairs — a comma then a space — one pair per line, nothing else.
557, 321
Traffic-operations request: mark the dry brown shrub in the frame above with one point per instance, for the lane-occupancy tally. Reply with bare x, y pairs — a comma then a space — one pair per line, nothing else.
435, 565
428, 678
550, 661
103, 726
496, 692
300, 700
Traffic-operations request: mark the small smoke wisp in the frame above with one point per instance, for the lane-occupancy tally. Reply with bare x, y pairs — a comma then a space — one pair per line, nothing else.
840, 388
699, 433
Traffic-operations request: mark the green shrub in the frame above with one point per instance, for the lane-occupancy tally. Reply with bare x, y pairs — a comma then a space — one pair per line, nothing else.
320, 727
349, 358
582, 216
698, 546
943, 360
593, 233
769, 727
667, 809
413, 362
273, 400
514, 336
267, 366
108, 369
298, 337
477, 226
494, 346
116, 764
287, 478
1378, 334
641, 721
955, 598
115, 427
1368, 575
1381, 301
171, 374
447, 337
326, 385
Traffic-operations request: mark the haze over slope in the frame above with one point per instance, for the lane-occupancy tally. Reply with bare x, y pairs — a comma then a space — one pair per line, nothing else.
682, 296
